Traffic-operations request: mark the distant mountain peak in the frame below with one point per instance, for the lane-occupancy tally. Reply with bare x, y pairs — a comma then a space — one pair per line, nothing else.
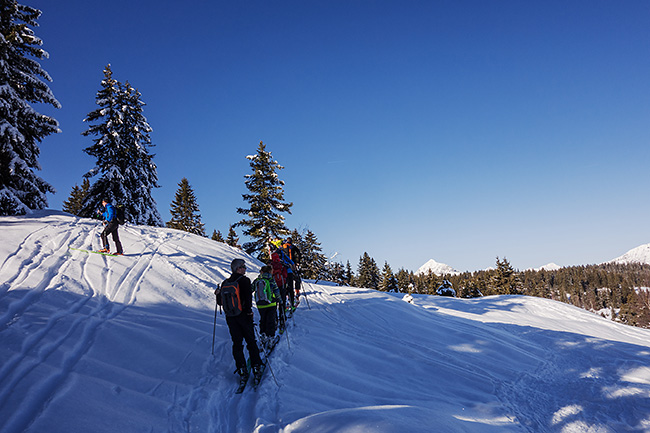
436, 268
639, 254
548, 267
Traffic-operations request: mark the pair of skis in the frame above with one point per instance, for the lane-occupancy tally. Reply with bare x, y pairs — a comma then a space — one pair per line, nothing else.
93, 252
257, 378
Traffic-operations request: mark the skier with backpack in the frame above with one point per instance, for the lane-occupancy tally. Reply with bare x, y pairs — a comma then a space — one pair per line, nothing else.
235, 295
267, 294
293, 279
111, 223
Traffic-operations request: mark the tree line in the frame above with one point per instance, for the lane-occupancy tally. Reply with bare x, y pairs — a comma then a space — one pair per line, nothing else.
620, 292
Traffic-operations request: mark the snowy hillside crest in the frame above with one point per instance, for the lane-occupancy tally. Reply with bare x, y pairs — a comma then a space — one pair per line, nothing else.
123, 344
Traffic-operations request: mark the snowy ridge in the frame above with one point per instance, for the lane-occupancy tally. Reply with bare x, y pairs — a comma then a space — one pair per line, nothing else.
436, 268
639, 254
123, 344
548, 267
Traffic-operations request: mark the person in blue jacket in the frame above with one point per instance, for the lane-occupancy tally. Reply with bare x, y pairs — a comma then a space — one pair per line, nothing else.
110, 227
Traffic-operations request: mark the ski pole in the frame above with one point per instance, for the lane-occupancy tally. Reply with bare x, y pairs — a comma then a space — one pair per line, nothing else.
214, 328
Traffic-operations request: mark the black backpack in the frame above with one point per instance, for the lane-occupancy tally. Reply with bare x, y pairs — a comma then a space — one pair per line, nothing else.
119, 214
230, 300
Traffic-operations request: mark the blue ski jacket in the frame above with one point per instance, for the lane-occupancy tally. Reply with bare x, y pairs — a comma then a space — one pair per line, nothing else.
110, 213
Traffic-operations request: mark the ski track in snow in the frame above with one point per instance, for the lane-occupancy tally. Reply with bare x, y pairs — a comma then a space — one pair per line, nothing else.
46, 261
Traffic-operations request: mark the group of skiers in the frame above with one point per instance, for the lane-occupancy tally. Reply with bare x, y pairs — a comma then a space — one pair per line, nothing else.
276, 291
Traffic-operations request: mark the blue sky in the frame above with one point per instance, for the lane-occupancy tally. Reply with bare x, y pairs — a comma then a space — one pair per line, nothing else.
453, 130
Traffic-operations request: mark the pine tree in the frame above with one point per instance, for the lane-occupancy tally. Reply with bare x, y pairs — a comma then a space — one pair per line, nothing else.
74, 203
349, 275
185, 210
313, 260
21, 127
266, 202
124, 164
388, 279
404, 281
217, 236
506, 281
232, 238
368, 272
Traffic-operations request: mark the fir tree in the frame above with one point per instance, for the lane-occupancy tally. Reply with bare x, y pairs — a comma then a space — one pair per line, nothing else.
349, 274
313, 260
74, 203
506, 280
266, 203
232, 238
388, 279
125, 167
217, 236
185, 210
368, 272
21, 127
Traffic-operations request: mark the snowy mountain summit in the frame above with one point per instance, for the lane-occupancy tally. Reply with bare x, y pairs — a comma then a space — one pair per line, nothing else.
639, 254
436, 268
548, 267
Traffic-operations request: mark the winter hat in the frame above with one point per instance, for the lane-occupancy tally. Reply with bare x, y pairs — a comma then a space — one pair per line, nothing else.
236, 264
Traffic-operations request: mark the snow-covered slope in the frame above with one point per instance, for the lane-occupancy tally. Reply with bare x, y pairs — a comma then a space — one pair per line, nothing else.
640, 254
90, 343
436, 268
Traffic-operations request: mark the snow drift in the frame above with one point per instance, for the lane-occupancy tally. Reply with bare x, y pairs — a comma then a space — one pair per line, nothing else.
104, 344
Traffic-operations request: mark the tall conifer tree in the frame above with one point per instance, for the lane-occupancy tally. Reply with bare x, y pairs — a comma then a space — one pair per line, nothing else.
313, 260
185, 210
21, 127
266, 203
124, 164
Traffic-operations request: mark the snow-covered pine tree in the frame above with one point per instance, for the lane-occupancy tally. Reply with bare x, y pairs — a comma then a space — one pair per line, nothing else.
313, 260
74, 203
232, 239
127, 172
21, 127
141, 176
266, 202
185, 210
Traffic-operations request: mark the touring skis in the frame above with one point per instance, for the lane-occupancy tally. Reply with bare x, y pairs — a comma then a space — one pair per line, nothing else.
93, 252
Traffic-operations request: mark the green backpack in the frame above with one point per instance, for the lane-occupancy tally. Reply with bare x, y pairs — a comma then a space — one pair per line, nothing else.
262, 291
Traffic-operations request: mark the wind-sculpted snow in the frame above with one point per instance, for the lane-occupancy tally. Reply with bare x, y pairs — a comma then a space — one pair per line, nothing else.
90, 343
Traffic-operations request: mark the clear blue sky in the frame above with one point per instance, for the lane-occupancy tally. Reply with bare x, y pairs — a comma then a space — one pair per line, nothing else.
452, 130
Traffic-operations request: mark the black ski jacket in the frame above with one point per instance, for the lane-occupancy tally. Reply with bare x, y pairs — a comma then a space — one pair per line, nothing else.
245, 292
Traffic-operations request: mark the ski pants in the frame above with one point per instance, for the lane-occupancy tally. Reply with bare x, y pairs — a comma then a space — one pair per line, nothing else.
111, 228
242, 329
268, 317
293, 287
